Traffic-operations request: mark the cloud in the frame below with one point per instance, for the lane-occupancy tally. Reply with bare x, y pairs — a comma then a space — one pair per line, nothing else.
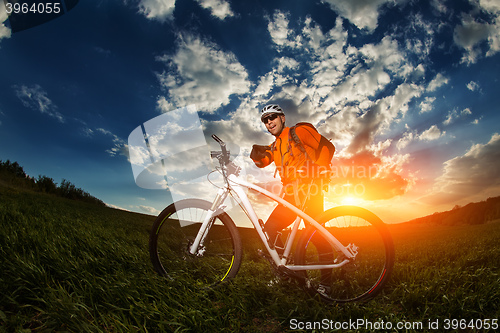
453, 115
368, 126
490, 5
352, 94
4, 31
218, 8
278, 29
433, 133
439, 6
471, 175
160, 10
338, 96
475, 30
405, 140
163, 10
430, 134
371, 174
362, 13
341, 74
419, 35
34, 97
149, 210
426, 104
473, 86
438, 81
202, 74
468, 35
119, 145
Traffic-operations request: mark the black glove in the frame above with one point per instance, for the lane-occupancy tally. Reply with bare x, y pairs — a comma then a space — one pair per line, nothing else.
259, 152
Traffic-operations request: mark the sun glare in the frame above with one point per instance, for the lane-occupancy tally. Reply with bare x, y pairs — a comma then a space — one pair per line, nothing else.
349, 200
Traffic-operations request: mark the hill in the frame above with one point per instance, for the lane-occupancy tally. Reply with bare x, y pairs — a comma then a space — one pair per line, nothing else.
75, 266
12, 175
472, 213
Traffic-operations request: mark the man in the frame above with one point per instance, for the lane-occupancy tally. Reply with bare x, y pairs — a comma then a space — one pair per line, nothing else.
297, 168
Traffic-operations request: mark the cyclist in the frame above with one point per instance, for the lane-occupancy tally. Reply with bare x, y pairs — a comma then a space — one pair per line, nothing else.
298, 168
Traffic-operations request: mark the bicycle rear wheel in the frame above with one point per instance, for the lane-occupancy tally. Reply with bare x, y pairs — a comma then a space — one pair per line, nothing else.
360, 279
174, 231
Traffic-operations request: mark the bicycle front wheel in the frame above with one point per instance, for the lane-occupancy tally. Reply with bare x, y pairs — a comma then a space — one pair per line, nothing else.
359, 279
218, 259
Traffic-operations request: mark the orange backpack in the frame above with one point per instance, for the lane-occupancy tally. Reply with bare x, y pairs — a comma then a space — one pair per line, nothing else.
293, 138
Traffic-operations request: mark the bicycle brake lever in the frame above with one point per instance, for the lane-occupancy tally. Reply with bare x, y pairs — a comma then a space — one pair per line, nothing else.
216, 138
223, 147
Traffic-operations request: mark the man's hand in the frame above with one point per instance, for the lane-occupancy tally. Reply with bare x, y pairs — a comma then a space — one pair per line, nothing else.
259, 152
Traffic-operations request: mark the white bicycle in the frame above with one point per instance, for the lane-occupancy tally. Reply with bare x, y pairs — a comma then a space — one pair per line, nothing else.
344, 254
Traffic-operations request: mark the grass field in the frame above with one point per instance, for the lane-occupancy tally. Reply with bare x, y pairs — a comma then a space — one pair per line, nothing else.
69, 266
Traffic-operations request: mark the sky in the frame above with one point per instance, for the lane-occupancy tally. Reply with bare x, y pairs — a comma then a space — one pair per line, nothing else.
406, 90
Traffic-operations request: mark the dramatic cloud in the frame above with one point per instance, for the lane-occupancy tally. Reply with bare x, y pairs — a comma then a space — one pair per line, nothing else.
476, 172
371, 174
338, 97
354, 95
202, 74
34, 97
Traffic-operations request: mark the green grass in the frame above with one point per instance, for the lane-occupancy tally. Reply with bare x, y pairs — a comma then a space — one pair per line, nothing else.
69, 266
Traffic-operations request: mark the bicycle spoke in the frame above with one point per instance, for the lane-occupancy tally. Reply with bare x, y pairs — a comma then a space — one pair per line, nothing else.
364, 275
174, 233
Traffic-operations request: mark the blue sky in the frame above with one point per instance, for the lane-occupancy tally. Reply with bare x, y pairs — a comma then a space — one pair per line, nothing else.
409, 88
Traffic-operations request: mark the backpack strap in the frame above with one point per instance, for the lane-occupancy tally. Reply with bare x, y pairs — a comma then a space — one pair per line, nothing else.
293, 137
273, 146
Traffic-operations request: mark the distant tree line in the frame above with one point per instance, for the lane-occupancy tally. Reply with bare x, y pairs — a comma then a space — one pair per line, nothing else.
472, 213
13, 174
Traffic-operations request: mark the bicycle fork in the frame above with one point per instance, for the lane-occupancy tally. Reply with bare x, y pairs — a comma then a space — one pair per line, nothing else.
209, 219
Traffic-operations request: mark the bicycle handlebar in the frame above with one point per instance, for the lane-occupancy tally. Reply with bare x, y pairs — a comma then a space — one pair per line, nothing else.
225, 154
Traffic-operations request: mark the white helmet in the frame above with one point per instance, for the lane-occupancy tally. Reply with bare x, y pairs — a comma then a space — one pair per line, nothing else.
269, 109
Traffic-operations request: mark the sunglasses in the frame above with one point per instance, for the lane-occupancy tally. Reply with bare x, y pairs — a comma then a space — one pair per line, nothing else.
271, 118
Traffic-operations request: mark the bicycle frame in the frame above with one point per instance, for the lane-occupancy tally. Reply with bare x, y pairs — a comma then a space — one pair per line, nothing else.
235, 184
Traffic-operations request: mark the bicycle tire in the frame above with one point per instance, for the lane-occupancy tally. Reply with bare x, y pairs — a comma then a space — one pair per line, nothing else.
173, 231
366, 275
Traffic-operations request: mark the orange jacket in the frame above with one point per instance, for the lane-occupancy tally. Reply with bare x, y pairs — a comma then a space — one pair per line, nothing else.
288, 157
